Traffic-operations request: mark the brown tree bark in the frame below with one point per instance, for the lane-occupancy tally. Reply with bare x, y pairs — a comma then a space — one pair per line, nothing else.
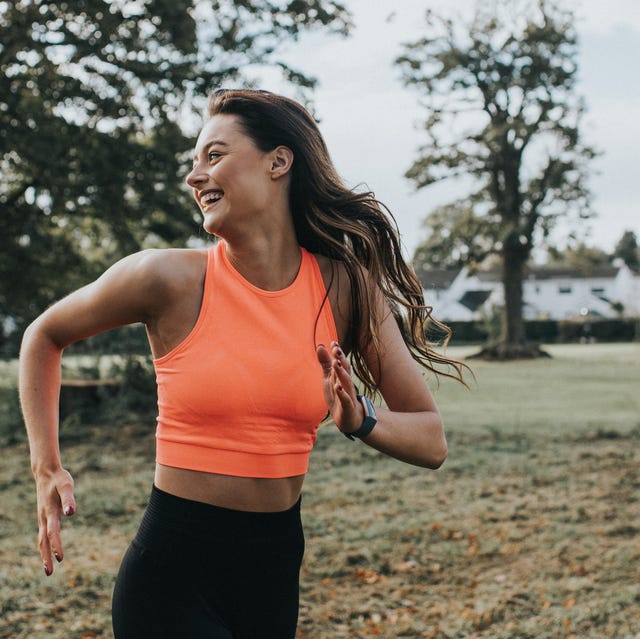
513, 340
513, 263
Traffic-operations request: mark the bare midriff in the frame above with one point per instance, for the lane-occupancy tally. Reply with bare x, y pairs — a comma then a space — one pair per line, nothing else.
253, 494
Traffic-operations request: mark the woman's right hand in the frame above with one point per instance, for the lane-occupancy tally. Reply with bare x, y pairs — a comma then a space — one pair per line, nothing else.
55, 498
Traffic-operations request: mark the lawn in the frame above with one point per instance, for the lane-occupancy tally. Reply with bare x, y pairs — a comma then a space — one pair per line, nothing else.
531, 529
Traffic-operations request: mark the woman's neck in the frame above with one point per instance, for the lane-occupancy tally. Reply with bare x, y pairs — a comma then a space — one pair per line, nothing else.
270, 263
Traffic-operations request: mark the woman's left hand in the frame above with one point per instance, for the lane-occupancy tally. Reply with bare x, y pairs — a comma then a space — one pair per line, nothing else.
339, 391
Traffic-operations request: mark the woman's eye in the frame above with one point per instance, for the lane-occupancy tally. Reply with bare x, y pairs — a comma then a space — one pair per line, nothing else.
212, 155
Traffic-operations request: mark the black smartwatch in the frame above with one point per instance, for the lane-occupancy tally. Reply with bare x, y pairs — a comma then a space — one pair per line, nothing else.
368, 422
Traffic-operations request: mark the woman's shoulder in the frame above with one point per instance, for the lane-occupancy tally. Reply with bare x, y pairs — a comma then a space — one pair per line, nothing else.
338, 287
163, 274
168, 262
327, 265
335, 271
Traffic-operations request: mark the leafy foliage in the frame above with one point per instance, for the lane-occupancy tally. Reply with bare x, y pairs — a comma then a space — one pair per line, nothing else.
585, 259
628, 250
97, 98
457, 236
502, 110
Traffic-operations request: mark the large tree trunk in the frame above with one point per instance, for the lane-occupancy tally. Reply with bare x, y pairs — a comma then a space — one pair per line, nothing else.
512, 343
513, 263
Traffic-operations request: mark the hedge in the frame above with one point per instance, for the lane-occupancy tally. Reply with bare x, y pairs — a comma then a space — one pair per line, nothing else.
125, 340
555, 331
132, 340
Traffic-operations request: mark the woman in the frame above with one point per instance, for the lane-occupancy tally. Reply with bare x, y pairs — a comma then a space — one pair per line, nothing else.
250, 341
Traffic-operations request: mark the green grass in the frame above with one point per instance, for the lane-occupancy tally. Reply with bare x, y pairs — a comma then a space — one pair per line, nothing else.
530, 530
582, 389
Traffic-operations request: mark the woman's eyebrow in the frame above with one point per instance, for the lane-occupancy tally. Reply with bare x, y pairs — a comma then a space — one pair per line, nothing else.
208, 145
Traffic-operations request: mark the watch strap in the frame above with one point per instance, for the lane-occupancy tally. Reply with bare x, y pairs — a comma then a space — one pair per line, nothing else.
369, 421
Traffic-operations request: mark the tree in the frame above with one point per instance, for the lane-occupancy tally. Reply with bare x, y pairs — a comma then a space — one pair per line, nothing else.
584, 259
502, 110
456, 237
97, 104
628, 250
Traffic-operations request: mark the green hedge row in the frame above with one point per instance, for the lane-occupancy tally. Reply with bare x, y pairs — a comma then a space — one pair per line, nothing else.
132, 340
554, 331
125, 340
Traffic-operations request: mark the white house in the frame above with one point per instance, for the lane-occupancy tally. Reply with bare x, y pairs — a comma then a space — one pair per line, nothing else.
548, 293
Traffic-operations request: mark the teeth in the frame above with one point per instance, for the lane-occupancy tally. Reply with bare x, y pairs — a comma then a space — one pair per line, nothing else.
208, 198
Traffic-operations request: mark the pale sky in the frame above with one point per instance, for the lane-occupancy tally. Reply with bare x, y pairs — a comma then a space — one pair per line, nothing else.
369, 118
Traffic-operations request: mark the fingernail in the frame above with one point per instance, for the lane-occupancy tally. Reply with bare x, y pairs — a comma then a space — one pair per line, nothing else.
68, 510
46, 571
57, 556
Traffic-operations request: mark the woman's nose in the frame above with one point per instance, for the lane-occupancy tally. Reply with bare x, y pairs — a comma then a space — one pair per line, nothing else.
195, 178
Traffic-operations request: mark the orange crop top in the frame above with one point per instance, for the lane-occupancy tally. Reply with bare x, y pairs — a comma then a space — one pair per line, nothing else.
242, 394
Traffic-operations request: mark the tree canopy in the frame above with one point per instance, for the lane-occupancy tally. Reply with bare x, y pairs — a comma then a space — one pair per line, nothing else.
628, 250
97, 104
503, 113
584, 259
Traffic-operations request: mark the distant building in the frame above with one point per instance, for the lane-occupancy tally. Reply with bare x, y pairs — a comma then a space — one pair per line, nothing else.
548, 293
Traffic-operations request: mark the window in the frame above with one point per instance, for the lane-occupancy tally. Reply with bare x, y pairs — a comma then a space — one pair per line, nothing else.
597, 289
564, 290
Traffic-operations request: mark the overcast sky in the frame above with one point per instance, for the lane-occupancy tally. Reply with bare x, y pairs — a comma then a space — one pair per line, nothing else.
369, 119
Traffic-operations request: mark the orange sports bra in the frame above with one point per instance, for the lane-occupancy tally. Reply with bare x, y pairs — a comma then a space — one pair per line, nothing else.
242, 394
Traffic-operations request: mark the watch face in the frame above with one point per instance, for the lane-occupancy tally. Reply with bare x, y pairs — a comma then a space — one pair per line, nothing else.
368, 422
369, 407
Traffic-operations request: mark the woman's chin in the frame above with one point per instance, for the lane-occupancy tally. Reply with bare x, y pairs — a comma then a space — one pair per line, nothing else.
211, 224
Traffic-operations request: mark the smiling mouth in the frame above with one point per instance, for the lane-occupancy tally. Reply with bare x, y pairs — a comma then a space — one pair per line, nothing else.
210, 198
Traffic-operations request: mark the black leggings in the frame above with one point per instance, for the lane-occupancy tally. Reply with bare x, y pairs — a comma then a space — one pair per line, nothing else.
195, 571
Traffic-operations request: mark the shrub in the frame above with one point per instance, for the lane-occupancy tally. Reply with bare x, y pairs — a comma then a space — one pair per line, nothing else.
550, 331
136, 393
11, 424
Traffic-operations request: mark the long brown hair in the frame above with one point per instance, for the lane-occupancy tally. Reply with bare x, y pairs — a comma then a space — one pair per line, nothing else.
344, 225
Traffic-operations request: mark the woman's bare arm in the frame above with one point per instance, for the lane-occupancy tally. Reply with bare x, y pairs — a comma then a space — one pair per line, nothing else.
411, 428
126, 293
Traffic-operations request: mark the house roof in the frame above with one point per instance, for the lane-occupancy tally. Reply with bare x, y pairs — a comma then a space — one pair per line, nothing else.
436, 278
474, 299
550, 273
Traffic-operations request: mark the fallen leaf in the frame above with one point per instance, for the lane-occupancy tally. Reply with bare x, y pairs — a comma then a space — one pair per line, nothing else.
406, 566
369, 576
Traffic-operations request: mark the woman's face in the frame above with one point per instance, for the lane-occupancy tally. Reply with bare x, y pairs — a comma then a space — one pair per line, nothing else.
230, 179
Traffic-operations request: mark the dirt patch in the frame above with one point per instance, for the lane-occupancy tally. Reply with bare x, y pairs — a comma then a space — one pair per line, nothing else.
535, 539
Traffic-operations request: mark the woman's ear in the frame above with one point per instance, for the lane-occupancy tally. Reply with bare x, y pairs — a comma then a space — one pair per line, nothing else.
281, 161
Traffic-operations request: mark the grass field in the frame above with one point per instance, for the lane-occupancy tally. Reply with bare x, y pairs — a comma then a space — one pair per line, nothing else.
531, 529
